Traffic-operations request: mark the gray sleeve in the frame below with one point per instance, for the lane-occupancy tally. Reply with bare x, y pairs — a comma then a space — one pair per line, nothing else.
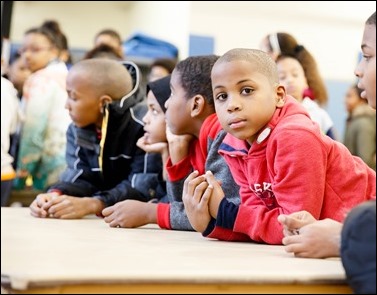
178, 217
217, 165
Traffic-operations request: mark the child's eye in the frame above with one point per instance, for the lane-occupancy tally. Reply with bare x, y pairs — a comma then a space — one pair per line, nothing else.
221, 96
247, 91
155, 112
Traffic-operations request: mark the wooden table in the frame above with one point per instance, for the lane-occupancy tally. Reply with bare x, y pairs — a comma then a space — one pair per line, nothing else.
87, 256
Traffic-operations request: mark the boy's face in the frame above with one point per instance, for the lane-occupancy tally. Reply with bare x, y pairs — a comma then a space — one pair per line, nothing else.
245, 100
292, 77
154, 119
82, 103
178, 108
366, 69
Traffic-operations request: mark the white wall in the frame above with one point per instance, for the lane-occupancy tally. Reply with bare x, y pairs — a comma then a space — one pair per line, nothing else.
80, 20
167, 20
330, 30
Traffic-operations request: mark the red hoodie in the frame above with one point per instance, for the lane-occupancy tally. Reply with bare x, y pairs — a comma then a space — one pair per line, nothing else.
294, 168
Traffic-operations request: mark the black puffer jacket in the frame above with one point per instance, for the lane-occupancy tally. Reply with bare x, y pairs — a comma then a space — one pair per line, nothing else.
124, 171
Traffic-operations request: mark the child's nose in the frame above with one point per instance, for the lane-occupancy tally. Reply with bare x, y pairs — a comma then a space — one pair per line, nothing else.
145, 118
67, 106
234, 103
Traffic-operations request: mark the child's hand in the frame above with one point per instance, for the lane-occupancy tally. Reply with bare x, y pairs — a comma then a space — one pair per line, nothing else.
318, 239
217, 194
293, 222
157, 147
196, 194
178, 145
70, 207
130, 213
183, 139
39, 207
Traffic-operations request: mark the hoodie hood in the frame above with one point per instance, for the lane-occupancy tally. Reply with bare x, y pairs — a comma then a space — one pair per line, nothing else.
290, 114
292, 108
135, 95
119, 116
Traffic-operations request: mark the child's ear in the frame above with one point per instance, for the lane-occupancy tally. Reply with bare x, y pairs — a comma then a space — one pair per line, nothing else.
103, 101
280, 96
197, 105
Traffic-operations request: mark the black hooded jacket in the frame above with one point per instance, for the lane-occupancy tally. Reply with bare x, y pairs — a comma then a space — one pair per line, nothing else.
120, 170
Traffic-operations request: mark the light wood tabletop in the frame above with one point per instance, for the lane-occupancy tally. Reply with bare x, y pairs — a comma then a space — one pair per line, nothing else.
87, 256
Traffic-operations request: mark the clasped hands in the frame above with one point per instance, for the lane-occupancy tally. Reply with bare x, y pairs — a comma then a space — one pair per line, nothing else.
201, 197
54, 205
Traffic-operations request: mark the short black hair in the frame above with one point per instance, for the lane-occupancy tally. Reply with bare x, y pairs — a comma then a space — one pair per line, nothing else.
372, 19
195, 74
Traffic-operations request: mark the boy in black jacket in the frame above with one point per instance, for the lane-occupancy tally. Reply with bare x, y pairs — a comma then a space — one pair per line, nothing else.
103, 161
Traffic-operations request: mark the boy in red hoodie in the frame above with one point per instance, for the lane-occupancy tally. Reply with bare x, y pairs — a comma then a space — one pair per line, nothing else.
277, 155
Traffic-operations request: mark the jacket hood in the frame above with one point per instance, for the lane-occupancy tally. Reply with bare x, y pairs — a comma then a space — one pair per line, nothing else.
135, 95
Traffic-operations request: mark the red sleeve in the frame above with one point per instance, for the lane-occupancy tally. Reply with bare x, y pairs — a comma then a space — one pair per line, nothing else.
209, 130
163, 215
195, 160
225, 234
180, 170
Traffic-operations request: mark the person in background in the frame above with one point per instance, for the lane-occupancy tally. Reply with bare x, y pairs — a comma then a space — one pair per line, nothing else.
102, 157
111, 38
355, 239
285, 44
17, 73
277, 155
360, 131
10, 117
275, 44
193, 138
103, 51
292, 77
41, 154
160, 68
62, 41
155, 138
